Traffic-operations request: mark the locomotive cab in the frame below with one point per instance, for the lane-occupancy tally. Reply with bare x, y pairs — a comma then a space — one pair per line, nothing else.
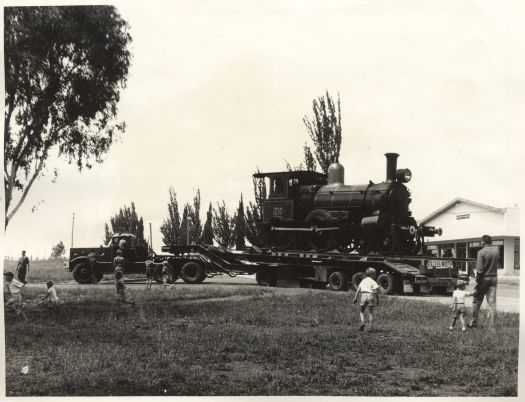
285, 190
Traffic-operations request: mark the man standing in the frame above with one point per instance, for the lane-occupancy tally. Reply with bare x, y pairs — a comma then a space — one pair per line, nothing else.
487, 266
22, 268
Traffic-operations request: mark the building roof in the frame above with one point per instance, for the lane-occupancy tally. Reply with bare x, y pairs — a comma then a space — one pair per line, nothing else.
453, 203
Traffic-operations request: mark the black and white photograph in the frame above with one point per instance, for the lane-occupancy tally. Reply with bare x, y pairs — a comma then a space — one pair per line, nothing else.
262, 198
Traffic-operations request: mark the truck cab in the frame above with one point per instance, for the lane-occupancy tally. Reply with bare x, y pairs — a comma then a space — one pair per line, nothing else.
89, 264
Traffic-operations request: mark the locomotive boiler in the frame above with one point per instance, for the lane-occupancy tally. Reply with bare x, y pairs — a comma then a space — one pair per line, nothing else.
310, 210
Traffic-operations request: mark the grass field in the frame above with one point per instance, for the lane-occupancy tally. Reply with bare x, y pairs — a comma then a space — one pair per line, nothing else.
252, 341
42, 270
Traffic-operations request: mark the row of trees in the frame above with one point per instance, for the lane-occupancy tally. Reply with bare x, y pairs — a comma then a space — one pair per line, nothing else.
227, 230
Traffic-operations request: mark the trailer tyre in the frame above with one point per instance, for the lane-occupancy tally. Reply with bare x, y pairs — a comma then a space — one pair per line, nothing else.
265, 277
387, 283
82, 273
192, 272
357, 278
338, 281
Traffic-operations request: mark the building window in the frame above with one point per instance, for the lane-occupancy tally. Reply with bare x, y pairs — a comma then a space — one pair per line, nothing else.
447, 250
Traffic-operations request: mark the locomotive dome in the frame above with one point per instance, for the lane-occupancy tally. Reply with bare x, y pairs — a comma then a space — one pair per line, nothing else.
336, 174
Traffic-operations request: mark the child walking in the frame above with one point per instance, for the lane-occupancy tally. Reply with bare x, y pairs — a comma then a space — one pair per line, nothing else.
13, 292
166, 275
458, 305
368, 289
121, 289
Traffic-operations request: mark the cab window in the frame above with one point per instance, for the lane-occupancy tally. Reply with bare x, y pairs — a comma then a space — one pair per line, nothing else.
277, 185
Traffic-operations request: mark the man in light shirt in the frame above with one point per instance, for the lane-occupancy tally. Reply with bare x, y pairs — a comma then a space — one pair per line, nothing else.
368, 289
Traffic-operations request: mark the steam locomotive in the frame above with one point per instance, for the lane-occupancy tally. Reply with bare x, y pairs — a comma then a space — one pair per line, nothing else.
310, 210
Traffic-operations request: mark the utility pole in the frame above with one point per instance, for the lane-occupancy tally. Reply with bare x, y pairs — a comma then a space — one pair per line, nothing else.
188, 234
72, 229
150, 237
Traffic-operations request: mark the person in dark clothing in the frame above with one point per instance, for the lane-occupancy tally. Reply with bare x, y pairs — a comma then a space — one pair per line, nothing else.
487, 265
22, 268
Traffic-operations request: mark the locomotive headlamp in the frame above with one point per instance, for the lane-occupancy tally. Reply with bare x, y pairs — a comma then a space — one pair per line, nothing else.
403, 175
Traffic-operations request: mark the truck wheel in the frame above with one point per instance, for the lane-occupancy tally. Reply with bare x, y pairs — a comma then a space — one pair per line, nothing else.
192, 272
98, 277
386, 283
357, 278
338, 281
82, 273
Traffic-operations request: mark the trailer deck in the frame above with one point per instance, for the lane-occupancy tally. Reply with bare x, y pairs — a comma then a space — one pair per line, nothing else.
338, 271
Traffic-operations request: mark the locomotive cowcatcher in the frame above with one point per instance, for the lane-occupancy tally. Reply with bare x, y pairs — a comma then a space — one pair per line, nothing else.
310, 210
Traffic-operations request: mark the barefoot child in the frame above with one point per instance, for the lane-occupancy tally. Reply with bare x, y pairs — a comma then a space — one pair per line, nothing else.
166, 275
458, 305
149, 273
51, 300
121, 289
368, 289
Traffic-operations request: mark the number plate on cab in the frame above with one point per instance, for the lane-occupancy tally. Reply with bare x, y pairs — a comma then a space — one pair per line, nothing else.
440, 264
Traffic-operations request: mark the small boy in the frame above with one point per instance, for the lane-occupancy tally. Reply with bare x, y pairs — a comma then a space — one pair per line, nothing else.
14, 294
51, 300
166, 274
368, 289
121, 288
149, 273
458, 305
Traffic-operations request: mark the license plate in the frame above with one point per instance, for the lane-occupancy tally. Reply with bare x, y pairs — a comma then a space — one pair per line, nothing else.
440, 264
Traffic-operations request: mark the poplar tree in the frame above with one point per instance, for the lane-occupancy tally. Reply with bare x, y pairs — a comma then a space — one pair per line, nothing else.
170, 228
325, 132
240, 227
207, 231
223, 225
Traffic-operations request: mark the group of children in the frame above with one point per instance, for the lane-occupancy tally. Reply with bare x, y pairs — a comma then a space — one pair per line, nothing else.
150, 276
368, 289
13, 295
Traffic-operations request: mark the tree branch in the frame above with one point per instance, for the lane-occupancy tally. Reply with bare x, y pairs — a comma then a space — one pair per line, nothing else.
38, 169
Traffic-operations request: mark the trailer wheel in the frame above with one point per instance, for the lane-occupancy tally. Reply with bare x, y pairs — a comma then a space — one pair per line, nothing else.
82, 273
338, 281
265, 277
192, 272
357, 278
386, 283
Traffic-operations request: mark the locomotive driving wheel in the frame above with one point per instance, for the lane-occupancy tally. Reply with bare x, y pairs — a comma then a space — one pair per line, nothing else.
322, 240
282, 239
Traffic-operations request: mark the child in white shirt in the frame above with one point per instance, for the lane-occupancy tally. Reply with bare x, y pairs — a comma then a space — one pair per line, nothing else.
458, 305
13, 292
368, 289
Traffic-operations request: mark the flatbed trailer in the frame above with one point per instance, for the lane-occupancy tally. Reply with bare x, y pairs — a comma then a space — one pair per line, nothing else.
337, 271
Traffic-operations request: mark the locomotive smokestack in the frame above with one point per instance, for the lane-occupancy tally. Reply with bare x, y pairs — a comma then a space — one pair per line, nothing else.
391, 166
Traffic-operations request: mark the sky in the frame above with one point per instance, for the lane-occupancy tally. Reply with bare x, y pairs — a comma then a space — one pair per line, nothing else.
218, 89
